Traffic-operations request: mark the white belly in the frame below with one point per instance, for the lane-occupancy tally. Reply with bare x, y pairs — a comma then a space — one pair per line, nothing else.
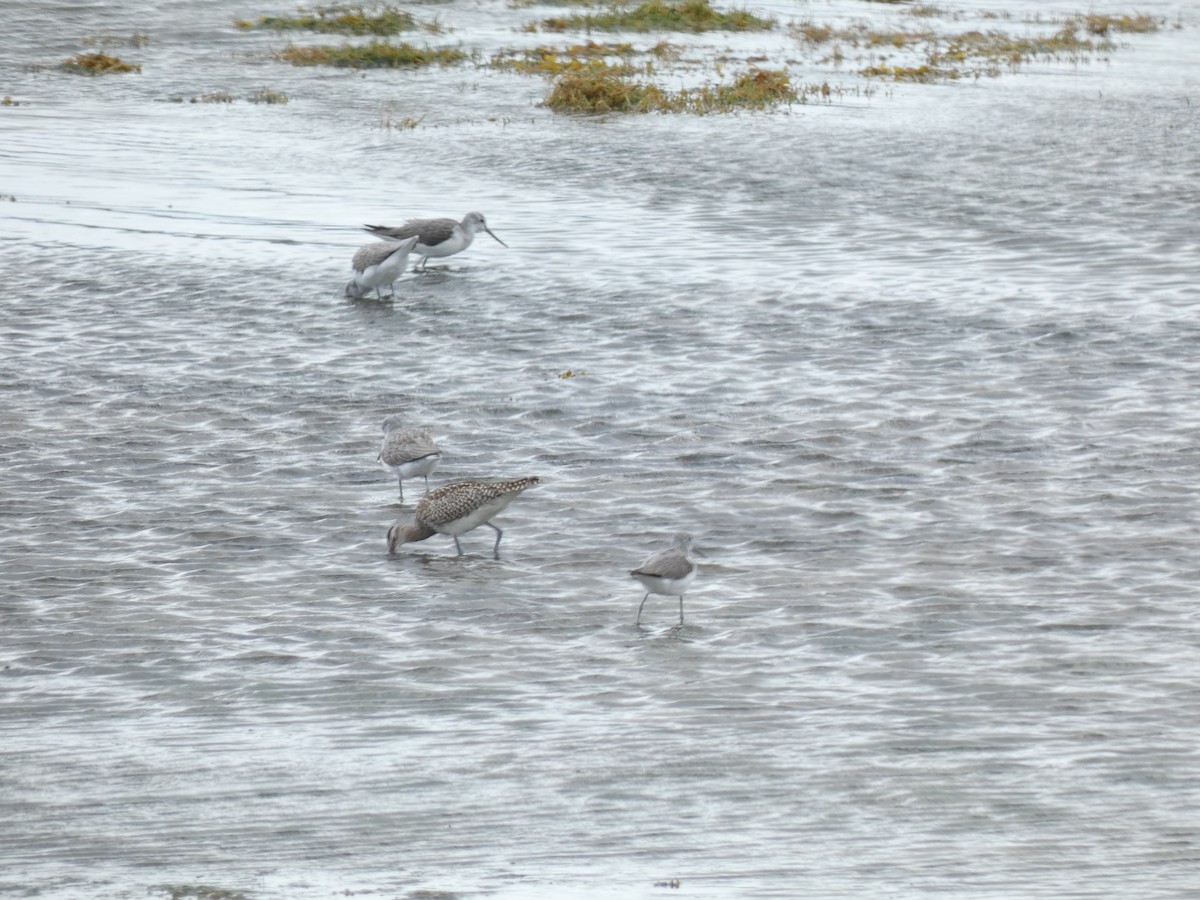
476, 518
673, 587
414, 468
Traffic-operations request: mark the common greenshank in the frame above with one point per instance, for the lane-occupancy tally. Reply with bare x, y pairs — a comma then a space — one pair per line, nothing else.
408, 452
436, 237
378, 264
667, 572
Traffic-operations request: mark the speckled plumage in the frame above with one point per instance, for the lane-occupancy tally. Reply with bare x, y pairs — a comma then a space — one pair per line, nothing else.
378, 264
667, 572
408, 452
436, 237
457, 508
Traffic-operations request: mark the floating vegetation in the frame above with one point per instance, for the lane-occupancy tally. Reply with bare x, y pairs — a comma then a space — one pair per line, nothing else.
389, 120
1000, 48
923, 73
976, 53
1100, 25
262, 95
810, 32
380, 19
98, 64
375, 55
573, 373
658, 15
199, 892
757, 89
137, 39
615, 59
268, 96
601, 92
9, 101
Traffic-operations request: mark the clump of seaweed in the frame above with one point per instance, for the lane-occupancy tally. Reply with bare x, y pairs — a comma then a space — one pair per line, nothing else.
137, 39
988, 53
810, 32
600, 92
756, 89
380, 19
98, 64
375, 55
553, 61
389, 120
1103, 24
659, 15
1000, 48
605, 91
268, 96
199, 892
923, 73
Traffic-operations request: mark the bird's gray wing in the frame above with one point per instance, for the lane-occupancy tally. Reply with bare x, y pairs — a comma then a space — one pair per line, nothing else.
429, 232
666, 564
406, 446
373, 254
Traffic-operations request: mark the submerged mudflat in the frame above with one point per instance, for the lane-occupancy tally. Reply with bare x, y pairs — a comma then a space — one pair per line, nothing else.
914, 361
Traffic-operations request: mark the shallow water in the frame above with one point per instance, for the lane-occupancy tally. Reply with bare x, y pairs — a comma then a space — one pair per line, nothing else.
918, 369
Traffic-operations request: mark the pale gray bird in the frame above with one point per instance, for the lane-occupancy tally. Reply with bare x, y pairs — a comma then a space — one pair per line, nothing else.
457, 508
378, 264
667, 572
436, 237
408, 452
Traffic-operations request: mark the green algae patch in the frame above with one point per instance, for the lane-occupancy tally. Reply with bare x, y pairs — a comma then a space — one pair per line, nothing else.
998, 48
379, 19
268, 96
757, 89
924, 74
973, 54
1099, 24
617, 59
375, 55
98, 64
601, 92
606, 91
658, 15
199, 892
138, 39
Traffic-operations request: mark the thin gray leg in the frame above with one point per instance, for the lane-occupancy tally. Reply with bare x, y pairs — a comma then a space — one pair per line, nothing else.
681, 609
643, 603
457, 544
427, 484
499, 534
401, 480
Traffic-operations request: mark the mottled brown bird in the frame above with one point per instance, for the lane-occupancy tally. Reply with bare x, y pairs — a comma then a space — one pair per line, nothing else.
457, 508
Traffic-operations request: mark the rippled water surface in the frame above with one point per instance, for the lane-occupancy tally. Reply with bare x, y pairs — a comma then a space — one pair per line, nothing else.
918, 367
